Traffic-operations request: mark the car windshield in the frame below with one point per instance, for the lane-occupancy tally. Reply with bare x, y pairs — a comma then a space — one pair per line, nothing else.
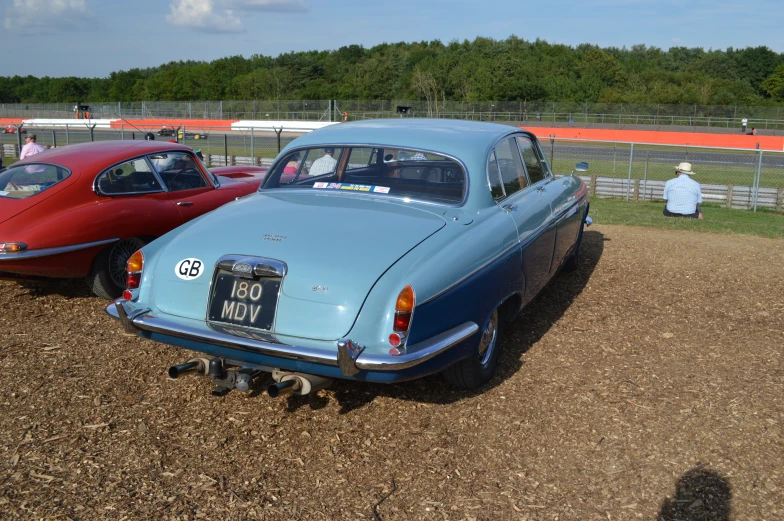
388, 171
29, 179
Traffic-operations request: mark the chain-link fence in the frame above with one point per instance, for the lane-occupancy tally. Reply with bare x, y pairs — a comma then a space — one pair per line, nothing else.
716, 117
744, 179
736, 178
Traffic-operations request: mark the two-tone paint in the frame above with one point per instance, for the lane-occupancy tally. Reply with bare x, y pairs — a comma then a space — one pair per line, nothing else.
465, 261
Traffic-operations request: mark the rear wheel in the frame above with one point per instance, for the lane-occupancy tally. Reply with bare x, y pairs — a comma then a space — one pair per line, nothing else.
477, 370
573, 262
108, 273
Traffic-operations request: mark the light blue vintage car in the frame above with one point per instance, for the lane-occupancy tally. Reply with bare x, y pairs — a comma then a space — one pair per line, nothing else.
380, 250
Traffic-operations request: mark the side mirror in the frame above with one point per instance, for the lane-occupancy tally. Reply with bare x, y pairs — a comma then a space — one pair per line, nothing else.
582, 166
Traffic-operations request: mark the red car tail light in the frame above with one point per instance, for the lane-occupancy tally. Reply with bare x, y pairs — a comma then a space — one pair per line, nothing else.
13, 247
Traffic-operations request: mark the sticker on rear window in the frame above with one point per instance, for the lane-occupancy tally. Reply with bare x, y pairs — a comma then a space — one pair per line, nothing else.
352, 187
189, 269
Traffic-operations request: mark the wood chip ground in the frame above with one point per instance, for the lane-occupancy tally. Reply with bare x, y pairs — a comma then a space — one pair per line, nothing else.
647, 385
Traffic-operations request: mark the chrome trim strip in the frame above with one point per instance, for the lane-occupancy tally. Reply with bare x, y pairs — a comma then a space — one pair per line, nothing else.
423, 351
43, 252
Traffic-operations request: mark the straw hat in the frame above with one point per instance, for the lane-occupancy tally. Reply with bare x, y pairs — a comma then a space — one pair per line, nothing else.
684, 168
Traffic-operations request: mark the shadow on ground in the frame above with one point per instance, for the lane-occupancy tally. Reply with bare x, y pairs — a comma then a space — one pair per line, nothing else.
526, 330
42, 287
700, 495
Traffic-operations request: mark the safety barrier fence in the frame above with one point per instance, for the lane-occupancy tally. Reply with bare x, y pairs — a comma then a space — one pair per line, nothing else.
717, 117
737, 178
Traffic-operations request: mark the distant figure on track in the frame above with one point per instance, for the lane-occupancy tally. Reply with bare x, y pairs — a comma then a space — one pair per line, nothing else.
743, 124
683, 194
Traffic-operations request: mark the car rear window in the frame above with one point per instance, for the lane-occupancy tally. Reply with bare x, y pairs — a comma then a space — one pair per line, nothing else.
388, 171
29, 179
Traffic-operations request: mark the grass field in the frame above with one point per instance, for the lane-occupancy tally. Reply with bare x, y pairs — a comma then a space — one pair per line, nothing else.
717, 219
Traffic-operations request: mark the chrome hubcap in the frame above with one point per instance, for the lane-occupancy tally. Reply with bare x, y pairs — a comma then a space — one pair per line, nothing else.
488, 341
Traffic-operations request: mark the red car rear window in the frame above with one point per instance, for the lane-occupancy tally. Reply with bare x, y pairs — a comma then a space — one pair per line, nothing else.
29, 179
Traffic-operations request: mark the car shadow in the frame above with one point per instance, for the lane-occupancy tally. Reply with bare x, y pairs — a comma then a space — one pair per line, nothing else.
42, 287
700, 495
518, 337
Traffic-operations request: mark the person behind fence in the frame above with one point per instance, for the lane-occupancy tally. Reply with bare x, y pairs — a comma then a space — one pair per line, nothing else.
324, 165
31, 147
683, 194
743, 124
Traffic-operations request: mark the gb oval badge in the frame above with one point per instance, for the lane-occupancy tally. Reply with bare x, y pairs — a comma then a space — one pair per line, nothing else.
189, 269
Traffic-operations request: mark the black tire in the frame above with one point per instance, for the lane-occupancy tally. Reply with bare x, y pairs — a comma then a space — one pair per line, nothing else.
573, 262
107, 275
477, 370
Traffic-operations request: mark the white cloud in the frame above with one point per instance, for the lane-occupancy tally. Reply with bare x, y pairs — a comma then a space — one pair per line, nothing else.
35, 16
201, 14
268, 5
220, 15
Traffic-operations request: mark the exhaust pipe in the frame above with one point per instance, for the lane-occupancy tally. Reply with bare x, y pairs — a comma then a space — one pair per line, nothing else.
297, 383
284, 387
197, 365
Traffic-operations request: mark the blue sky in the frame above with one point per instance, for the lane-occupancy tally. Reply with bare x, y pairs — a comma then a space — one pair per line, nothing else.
91, 38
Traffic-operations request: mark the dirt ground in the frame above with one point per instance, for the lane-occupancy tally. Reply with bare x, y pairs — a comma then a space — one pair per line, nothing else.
647, 385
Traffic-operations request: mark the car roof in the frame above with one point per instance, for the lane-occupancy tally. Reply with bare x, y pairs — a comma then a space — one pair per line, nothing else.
95, 156
464, 139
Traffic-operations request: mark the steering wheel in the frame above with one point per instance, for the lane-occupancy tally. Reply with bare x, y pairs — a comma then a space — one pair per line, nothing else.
185, 171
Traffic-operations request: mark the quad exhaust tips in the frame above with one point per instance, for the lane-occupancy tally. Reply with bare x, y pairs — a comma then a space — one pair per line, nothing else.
242, 379
296, 383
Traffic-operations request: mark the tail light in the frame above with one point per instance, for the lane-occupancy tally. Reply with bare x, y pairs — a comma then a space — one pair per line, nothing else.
134, 269
13, 247
404, 309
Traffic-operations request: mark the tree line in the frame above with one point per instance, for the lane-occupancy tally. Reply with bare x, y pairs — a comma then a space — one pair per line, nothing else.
480, 70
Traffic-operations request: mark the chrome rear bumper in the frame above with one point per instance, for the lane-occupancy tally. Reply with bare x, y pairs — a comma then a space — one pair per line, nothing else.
136, 320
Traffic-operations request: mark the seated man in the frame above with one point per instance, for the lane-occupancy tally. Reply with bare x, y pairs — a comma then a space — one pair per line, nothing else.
683, 194
324, 165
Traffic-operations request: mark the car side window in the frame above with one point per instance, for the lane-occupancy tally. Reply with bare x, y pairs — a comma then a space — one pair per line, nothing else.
131, 177
510, 166
537, 170
494, 178
178, 170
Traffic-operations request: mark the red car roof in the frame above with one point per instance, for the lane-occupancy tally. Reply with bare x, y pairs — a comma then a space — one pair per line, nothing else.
95, 156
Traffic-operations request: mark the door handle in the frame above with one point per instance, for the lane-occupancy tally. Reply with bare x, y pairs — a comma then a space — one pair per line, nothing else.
540, 189
184, 203
509, 207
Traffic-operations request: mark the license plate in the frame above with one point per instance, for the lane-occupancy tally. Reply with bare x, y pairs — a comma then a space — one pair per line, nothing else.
244, 302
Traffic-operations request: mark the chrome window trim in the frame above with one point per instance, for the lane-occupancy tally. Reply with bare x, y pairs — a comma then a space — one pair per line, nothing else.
460, 162
43, 252
492, 150
99, 192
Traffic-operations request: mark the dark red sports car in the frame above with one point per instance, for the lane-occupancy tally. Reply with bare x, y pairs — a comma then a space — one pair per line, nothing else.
82, 210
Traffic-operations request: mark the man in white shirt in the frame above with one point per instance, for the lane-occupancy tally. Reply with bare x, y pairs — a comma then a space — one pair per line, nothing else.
324, 165
743, 124
683, 194
31, 148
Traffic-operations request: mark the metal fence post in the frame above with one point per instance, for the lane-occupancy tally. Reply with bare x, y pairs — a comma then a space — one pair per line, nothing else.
67, 140
225, 149
54, 139
629, 179
757, 180
252, 154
